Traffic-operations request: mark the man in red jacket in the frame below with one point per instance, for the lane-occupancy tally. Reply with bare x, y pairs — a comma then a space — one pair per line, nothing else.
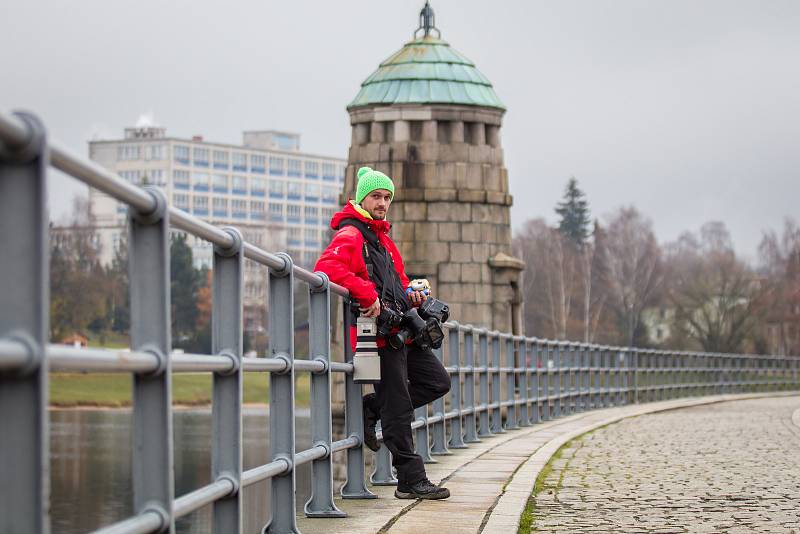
372, 271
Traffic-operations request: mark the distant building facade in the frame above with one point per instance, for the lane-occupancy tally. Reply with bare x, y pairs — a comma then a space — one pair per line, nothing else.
279, 197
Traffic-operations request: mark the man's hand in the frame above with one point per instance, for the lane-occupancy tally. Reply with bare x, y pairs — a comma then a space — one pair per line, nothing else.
374, 309
417, 297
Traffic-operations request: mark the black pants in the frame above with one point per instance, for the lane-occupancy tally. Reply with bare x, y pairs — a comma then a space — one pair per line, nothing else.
410, 378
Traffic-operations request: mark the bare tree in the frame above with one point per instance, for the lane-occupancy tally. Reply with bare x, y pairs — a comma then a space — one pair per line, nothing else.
780, 264
717, 298
634, 267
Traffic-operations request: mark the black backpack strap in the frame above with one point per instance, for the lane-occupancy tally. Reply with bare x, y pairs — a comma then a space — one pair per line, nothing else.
369, 237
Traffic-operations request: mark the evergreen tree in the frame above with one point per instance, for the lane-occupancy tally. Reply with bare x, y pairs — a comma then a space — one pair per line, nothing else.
574, 212
184, 286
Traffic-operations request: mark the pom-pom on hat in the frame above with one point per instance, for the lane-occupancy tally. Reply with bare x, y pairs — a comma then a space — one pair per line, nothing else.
369, 180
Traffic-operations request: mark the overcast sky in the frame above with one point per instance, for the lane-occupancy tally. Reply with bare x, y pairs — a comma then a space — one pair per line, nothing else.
687, 109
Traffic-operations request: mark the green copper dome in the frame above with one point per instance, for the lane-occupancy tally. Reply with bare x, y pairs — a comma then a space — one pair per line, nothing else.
427, 71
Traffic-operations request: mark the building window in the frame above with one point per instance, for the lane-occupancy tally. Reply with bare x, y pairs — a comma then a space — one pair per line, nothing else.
258, 163
200, 206
276, 166
181, 154
294, 190
329, 195
312, 192
220, 207
220, 183
153, 176
220, 159
342, 170
275, 212
276, 189
311, 214
257, 210
239, 185
295, 168
240, 161
311, 238
180, 179
258, 187
293, 213
328, 213
239, 208
309, 257
200, 157
181, 200
294, 237
312, 169
200, 181
329, 172
128, 152
154, 152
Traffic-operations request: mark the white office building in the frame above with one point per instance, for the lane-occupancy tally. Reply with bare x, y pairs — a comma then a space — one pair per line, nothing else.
281, 198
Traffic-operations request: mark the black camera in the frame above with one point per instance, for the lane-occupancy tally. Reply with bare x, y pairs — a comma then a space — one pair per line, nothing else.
424, 326
388, 320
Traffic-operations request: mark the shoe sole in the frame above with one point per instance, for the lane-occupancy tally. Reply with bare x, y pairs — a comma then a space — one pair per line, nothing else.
426, 496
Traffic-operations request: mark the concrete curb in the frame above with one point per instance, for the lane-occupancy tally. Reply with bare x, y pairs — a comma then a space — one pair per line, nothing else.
504, 516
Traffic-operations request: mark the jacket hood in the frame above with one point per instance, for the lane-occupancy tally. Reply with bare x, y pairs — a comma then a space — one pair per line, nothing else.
352, 210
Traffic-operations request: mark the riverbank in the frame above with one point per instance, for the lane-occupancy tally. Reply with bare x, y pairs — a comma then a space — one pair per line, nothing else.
113, 390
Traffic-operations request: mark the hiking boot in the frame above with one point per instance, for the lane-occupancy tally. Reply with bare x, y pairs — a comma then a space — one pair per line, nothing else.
424, 489
370, 420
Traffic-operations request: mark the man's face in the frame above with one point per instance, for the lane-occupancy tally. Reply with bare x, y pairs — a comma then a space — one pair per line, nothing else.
377, 203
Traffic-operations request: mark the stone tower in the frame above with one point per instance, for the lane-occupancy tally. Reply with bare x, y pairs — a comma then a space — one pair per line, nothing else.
430, 120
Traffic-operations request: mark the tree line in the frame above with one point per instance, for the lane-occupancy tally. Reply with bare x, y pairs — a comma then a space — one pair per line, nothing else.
92, 300
612, 282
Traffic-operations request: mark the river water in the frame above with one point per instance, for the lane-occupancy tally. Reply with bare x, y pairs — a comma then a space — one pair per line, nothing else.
91, 466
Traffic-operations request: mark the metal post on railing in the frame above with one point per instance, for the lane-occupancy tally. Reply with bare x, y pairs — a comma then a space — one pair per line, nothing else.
355, 487
523, 355
583, 358
497, 410
454, 359
470, 419
536, 382
321, 504
281, 397
483, 356
511, 384
421, 438
619, 364
226, 406
382, 474
153, 476
554, 367
24, 284
439, 428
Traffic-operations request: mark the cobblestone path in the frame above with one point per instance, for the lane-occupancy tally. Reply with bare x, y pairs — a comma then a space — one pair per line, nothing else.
731, 467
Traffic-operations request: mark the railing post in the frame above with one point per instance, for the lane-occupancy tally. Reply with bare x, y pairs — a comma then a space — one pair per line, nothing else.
523, 355
635, 359
281, 397
483, 355
24, 284
226, 406
511, 374
148, 263
439, 428
536, 383
470, 419
497, 411
619, 362
382, 474
320, 504
355, 487
558, 380
421, 441
454, 359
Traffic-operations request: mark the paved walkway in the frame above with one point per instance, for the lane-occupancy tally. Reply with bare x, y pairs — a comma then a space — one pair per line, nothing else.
490, 481
731, 467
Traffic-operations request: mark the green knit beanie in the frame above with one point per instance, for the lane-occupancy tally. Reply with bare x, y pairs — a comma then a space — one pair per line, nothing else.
370, 180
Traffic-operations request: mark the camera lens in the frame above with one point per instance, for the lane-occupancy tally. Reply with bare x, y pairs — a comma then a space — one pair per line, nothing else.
396, 341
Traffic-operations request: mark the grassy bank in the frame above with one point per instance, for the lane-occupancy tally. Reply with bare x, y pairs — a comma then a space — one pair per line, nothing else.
114, 389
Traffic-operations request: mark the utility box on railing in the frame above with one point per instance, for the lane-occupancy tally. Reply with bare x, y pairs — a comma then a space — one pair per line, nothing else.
366, 361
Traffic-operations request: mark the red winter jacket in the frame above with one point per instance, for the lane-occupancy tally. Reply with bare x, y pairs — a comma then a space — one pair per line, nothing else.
343, 259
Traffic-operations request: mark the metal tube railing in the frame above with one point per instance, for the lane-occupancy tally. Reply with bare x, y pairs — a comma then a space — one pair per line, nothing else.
536, 381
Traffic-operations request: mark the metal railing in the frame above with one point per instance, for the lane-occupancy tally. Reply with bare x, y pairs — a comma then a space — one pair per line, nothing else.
526, 379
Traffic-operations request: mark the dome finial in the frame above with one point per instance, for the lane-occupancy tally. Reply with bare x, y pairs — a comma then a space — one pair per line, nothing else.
427, 21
